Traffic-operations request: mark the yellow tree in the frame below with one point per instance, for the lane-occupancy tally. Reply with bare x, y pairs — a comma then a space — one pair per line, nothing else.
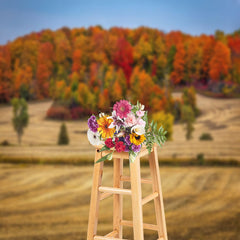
143, 53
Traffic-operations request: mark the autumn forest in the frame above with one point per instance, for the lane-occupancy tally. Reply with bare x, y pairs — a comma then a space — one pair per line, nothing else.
89, 69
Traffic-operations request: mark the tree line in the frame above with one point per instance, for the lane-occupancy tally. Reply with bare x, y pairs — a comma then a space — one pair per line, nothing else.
90, 68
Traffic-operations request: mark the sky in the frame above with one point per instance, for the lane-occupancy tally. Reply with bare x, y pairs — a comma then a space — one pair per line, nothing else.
20, 17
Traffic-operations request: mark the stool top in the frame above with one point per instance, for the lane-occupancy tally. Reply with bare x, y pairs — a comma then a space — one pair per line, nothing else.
125, 155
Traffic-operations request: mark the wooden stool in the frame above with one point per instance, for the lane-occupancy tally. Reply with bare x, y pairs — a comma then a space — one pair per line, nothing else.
100, 192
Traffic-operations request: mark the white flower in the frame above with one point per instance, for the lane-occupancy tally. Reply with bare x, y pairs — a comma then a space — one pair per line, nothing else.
138, 129
141, 122
101, 114
117, 121
94, 138
141, 107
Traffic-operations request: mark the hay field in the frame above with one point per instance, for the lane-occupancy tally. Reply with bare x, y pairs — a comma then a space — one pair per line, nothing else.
52, 202
220, 118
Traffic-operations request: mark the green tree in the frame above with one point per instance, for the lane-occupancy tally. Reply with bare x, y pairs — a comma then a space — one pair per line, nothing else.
63, 138
189, 98
187, 117
20, 116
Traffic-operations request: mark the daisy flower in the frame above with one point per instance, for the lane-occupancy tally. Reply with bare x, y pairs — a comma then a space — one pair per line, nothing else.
94, 138
122, 108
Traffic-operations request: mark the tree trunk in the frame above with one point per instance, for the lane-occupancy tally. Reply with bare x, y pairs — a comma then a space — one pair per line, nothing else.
19, 139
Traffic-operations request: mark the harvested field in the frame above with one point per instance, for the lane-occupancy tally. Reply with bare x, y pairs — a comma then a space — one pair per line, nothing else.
52, 202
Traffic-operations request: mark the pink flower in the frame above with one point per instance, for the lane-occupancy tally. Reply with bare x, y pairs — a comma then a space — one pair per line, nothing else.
140, 113
122, 108
130, 120
141, 122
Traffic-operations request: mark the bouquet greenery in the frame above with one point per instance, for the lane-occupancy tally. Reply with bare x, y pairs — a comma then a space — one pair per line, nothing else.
126, 130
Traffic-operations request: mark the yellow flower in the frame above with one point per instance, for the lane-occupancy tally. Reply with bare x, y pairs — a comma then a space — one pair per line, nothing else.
137, 139
104, 129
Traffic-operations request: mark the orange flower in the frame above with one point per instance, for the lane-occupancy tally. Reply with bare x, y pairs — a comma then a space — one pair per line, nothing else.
104, 129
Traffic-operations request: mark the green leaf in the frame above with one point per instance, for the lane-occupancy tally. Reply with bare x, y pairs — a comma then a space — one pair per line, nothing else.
104, 148
106, 157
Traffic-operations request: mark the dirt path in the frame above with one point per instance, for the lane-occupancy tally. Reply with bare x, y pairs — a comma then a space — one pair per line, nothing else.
52, 202
220, 118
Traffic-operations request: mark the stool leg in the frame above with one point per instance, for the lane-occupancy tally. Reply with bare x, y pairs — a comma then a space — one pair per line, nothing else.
136, 199
94, 205
158, 202
117, 198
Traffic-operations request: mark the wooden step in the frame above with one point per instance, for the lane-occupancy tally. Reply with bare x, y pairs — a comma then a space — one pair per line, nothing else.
107, 238
128, 179
145, 225
105, 195
111, 234
149, 198
115, 190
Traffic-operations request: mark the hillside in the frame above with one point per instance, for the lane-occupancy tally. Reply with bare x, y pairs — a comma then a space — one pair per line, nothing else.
91, 68
220, 118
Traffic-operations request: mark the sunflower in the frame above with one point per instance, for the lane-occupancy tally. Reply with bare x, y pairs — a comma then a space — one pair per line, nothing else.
104, 129
137, 139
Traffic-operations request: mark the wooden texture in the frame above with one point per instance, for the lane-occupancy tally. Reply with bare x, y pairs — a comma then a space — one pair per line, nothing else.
136, 199
143, 180
111, 234
95, 197
115, 190
158, 201
117, 198
101, 192
149, 198
107, 238
145, 225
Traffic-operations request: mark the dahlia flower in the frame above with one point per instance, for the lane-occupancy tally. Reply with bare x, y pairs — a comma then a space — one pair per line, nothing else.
122, 108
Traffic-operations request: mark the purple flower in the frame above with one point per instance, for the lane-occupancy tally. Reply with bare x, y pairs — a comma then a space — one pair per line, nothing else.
92, 123
126, 148
136, 148
127, 140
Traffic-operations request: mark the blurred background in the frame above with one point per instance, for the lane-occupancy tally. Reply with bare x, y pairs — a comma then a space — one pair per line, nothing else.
61, 61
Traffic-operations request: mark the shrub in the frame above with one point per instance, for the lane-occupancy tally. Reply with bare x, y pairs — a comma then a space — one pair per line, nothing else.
165, 120
79, 112
63, 138
5, 143
206, 137
59, 112
200, 158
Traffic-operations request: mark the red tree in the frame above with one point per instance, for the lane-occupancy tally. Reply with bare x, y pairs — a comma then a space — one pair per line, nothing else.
44, 69
123, 57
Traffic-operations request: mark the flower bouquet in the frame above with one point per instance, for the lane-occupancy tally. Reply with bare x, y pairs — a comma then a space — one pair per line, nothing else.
126, 130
